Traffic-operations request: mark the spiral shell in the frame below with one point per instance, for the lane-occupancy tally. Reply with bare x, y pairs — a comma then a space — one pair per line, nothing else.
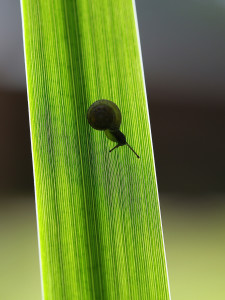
104, 114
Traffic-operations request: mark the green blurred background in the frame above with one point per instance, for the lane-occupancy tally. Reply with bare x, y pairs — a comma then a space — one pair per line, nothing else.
183, 50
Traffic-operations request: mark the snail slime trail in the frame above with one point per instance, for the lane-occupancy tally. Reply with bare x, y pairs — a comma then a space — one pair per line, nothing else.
105, 115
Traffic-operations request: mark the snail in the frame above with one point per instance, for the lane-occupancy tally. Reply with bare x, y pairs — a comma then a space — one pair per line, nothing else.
105, 115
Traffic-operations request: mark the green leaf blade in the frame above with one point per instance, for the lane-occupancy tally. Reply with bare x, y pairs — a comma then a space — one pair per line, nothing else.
98, 214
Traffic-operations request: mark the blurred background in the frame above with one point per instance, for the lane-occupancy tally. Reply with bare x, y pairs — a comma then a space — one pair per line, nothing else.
183, 49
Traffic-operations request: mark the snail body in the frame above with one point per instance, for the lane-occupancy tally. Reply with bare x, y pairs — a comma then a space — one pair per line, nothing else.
116, 136
105, 115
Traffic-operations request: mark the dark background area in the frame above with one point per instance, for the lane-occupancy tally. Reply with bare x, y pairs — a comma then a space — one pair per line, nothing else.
188, 140
183, 49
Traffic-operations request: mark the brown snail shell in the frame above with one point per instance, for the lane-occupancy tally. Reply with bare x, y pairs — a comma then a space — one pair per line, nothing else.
103, 115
